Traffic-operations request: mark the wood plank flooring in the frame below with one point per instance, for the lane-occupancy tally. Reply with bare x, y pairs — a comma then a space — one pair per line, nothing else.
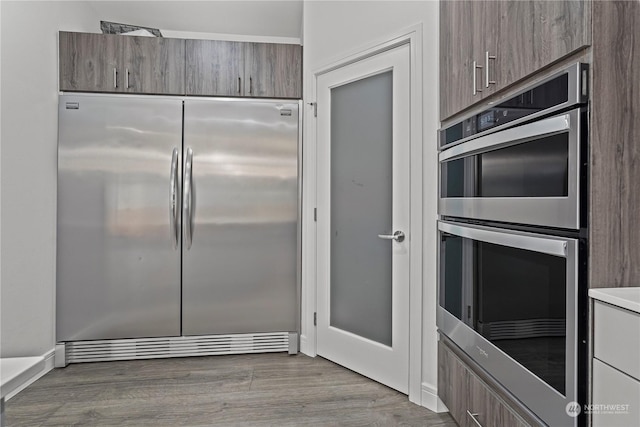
260, 389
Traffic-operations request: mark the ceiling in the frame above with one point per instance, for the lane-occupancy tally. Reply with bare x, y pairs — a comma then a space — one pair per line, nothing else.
254, 18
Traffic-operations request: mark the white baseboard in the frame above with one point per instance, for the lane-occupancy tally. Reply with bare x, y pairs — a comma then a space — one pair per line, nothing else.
430, 399
48, 365
304, 346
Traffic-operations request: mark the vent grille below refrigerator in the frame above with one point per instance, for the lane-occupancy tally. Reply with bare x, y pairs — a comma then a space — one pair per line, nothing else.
155, 348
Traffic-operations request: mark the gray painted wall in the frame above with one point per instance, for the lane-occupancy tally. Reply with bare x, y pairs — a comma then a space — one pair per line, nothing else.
28, 79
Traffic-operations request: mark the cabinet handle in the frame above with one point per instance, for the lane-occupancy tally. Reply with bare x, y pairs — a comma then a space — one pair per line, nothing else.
250, 85
487, 57
476, 67
473, 417
115, 78
126, 78
239, 84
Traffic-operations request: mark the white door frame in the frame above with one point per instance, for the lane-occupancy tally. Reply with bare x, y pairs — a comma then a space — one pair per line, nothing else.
413, 37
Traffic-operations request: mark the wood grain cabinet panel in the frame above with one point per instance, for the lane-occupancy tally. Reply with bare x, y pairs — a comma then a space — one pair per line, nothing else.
273, 70
614, 157
487, 409
214, 68
507, 41
534, 34
456, 57
465, 394
453, 382
89, 62
154, 65
121, 64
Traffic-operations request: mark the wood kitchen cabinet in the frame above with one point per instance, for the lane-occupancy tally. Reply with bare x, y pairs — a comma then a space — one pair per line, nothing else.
534, 34
158, 65
456, 53
487, 46
214, 68
263, 70
121, 64
466, 395
273, 70
90, 62
153, 65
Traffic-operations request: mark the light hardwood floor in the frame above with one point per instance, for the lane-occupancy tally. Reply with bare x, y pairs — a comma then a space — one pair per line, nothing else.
261, 389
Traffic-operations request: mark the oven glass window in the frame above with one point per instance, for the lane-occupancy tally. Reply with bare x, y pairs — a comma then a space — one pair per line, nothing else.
514, 298
537, 168
534, 169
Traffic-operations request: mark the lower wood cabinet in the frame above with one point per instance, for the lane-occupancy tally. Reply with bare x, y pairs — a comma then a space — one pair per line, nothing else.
470, 400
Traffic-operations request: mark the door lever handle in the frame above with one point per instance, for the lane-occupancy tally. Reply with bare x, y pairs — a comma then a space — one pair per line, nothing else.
398, 236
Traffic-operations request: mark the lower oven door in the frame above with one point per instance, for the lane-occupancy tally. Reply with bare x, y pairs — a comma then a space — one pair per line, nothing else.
509, 300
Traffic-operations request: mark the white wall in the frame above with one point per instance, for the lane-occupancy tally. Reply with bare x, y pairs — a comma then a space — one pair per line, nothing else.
335, 29
28, 54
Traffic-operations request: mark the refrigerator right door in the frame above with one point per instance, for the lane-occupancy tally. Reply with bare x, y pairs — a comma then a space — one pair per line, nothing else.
240, 217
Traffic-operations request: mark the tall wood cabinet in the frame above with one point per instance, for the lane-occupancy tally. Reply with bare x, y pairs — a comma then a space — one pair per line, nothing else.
607, 36
111, 63
490, 45
614, 139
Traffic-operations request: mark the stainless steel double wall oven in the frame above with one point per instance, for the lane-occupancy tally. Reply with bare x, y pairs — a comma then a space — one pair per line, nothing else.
512, 238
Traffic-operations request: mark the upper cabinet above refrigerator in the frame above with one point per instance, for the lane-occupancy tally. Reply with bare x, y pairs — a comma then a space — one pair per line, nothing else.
158, 65
121, 64
259, 70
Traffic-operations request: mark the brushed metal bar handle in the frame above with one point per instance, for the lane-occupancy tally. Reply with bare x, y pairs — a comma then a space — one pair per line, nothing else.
173, 202
250, 85
473, 417
126, 78
398, 236
115, 78
476, 67
239, 84
549, 246
487, 57
187, 199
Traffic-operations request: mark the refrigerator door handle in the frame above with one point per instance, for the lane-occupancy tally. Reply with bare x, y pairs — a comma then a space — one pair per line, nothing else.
173, 202
187, 200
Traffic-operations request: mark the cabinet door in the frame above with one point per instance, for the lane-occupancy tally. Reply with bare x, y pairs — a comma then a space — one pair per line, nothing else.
214, 67
453, 385
89, 62
534, 34
485, 25
273, 70
153, 65
487, 409
456, 57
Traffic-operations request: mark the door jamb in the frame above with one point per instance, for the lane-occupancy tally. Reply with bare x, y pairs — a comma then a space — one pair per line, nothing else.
413, 37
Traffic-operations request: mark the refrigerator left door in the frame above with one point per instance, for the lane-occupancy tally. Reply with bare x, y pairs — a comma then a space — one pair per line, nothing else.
118, 242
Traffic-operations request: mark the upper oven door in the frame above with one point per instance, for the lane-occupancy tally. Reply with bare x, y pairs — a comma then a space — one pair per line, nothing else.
528, 174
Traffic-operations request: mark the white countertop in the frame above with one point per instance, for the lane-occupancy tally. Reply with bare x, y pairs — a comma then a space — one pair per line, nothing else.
14, 371
628, 298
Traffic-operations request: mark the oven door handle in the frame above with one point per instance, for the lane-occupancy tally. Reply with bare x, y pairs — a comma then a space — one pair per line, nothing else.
513, 239
516, 135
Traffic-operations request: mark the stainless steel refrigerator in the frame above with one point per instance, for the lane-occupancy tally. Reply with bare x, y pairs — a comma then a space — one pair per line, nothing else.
176, 217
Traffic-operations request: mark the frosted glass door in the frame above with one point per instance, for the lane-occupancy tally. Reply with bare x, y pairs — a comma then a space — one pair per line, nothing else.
361, 200
363, 203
